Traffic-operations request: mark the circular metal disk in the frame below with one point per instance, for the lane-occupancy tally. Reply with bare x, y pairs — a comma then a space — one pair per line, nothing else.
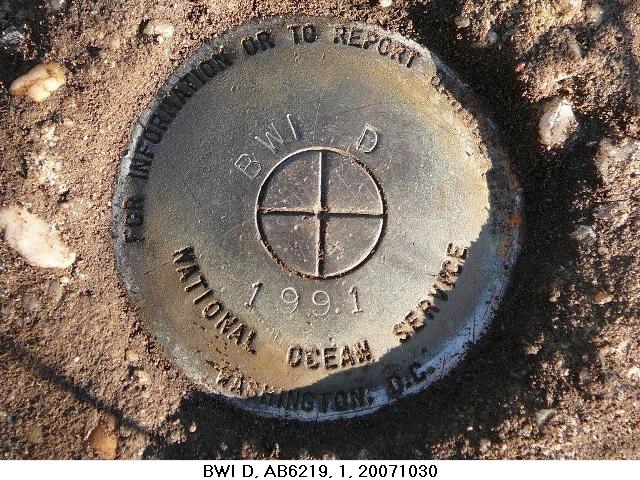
314, 218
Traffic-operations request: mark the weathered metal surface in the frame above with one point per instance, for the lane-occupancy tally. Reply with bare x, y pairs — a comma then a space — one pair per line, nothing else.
314, 218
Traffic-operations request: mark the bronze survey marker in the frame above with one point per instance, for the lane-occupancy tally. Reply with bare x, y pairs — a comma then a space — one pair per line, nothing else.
314, 218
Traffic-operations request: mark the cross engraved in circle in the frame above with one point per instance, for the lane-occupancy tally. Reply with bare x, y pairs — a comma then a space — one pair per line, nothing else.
320, 213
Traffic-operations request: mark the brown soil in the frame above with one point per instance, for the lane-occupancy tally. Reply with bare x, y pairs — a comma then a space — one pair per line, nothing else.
81, 379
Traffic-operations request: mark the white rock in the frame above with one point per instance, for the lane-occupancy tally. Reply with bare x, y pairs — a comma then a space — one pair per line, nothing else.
49, 169
57, 4
114, 43
40, 82
131, 356
543, 415
567, 8
633, 373
557, 123
462, 21
159, 29
385, 3
492, 37
12, 37
613, 213
617, 153
594, 15
584, 375
142, 376
584, 234
484, 445
35, 240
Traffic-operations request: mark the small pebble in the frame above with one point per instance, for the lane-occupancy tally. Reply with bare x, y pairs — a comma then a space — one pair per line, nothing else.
604, 211
57, 5
572, 45
602, 251
584, 234
30, 302
616, 153
602, 160
602, 298
142, 377
55, 291
584, 375
103, 438
114, 43
634, 373
543, 415
554, 294
193, 427
492, 37
567, 8
462, 21
132, 356
485, 443
35, 240
531, 349
608, 213
161, 30
594, 15
385, 3
39, 83
12, 37
557, 123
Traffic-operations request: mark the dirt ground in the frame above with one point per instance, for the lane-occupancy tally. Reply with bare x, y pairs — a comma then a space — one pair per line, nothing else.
557, 375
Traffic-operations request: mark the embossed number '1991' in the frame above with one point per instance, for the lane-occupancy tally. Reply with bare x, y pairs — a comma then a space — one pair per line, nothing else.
319, 298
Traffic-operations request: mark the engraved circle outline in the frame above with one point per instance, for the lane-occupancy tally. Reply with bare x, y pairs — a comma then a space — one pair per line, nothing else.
126, 251
362, 259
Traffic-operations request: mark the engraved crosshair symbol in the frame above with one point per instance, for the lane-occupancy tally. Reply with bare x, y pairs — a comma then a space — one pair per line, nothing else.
320, 213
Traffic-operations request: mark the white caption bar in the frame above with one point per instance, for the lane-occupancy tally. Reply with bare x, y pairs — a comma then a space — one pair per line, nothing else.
318, 469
